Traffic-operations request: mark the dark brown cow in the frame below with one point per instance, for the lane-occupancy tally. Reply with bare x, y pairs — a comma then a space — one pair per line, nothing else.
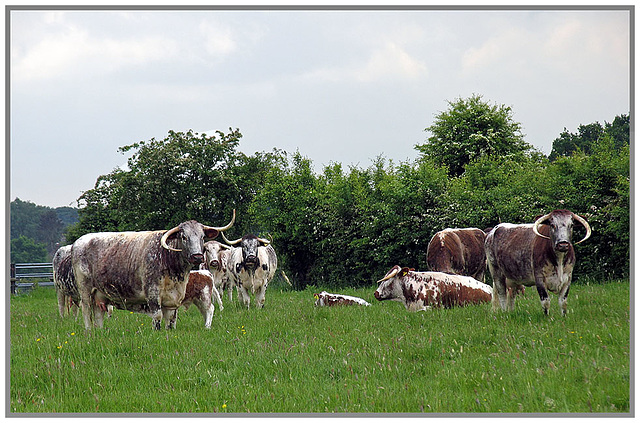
458, 252
423, 290
326, 299
145, 272
537, 254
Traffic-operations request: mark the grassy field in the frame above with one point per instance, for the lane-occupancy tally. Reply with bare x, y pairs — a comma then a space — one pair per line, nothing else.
292, 357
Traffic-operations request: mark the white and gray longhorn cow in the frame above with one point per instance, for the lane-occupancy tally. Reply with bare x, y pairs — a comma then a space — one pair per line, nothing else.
251, 267
145, 272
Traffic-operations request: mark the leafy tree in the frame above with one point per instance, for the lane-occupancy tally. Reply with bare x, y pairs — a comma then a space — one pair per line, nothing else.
471, 129
588, 135
184, 176
26, 250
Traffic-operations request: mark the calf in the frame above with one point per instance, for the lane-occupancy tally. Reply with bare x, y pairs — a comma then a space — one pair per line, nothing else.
422, 290
326, 299
216, 261
200, 290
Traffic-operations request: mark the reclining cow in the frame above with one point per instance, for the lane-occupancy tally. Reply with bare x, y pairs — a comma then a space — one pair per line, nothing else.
423, 290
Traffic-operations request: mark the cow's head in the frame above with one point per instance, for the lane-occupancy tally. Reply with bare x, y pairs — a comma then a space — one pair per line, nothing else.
390, 287
249, 244
188, 238
212, 250
560, 224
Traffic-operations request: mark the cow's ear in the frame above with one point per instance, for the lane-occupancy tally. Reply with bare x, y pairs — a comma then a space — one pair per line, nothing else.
210, 233
405, 270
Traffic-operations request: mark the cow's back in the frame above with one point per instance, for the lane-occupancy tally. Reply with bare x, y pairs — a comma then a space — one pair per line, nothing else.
457, 251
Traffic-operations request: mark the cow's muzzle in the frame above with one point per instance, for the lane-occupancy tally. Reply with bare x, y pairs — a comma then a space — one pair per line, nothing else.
215, 264
251, 261
563, 246
196, 258
377, 295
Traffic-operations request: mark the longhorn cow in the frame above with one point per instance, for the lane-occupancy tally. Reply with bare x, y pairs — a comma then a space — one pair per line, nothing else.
146, 272
251, 267
458, 252
539, 254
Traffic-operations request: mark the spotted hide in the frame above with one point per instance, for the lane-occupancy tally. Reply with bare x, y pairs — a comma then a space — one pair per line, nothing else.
326, 299
144, 272
459, 252
539, 254
422, 290
251, 267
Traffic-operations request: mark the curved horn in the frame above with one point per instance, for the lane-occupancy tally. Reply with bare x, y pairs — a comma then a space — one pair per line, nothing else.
166, 236
586, 226
223, 228
264, 241
538, 222
237, 241
390, 275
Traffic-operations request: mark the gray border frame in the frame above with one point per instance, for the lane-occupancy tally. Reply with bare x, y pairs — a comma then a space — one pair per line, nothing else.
310, 8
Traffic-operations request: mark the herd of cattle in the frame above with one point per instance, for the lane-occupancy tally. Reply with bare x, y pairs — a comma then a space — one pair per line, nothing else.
157, 272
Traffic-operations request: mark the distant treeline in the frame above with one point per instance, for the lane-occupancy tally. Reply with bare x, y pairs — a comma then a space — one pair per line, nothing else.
347, 227
38, 231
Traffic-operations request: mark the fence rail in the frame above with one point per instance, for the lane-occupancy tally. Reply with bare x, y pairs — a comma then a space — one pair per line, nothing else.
21, 273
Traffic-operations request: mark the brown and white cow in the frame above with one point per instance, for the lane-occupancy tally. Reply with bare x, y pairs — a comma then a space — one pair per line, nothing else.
422, 290
326, 299
65, 282
201, 292
145, 272
459, 252
539, 254
216, 261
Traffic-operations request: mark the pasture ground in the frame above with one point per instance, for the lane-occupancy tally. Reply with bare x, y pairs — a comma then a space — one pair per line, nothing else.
292, 357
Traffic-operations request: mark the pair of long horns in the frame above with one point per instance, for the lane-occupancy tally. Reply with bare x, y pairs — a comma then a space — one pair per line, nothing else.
237, 241
575, 216
170, 232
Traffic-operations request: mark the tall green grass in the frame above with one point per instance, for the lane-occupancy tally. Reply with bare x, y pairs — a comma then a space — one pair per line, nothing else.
292, 357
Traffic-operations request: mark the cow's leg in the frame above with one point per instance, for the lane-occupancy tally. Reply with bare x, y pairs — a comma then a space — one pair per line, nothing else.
544, 295
243, 296
562, 298
99, 310
86, 304
260, 295
499, 295
62, 301
155, 312
216, 296
170, 316
511, 297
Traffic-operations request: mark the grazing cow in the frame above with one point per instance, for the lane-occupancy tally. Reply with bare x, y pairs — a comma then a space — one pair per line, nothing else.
216, 259
251, 267
537, 254
458, 252
326, 299
422, 290
65, 282
145, 272
201, 291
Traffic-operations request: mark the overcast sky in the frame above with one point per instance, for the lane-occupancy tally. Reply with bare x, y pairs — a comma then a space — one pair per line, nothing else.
339, 86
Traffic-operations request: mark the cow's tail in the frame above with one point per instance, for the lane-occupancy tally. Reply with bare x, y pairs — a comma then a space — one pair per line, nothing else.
286, 278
